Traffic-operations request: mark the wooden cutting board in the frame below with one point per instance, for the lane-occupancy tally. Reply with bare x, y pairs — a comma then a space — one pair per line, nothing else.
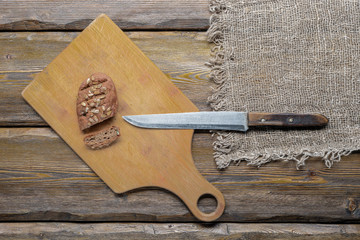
140, 157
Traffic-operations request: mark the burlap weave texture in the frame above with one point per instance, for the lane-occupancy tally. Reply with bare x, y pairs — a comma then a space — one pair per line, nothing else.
287, 56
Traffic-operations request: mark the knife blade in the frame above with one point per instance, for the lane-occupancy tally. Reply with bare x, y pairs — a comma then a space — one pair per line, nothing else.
237, 121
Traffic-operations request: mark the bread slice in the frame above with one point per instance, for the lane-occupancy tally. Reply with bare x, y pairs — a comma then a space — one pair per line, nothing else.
96, 101
102, 138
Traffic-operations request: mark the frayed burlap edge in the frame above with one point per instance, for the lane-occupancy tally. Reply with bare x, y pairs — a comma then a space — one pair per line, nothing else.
222, 145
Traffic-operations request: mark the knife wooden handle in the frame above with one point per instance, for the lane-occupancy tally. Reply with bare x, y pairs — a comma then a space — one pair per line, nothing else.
286, 119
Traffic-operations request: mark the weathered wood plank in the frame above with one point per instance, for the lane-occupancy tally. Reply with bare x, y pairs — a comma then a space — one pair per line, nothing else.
35, 162
128, 14
181, 55
42, 179
176, 231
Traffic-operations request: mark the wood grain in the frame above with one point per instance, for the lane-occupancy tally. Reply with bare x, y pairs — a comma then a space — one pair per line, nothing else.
286, 120
180, 55
128, 14
42, 179
176, 231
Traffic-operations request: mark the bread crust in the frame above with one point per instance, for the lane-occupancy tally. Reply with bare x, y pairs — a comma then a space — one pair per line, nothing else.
96, 101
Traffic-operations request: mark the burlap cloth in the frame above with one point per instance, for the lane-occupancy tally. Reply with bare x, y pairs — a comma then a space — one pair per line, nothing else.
287, 56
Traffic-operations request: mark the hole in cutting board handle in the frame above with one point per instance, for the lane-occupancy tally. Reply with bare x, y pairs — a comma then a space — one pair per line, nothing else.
207, 203
201, 205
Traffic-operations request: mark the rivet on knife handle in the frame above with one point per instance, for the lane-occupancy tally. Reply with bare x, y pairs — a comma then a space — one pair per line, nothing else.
286, 119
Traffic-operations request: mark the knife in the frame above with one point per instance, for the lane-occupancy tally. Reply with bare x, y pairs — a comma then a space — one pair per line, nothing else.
237, 121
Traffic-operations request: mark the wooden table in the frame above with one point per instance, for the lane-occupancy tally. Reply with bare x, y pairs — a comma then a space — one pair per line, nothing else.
47, 191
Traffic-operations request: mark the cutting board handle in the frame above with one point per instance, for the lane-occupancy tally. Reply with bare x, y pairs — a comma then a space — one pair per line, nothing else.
194, 186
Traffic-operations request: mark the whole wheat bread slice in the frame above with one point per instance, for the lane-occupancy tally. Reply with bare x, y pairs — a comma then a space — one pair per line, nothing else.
102, 138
